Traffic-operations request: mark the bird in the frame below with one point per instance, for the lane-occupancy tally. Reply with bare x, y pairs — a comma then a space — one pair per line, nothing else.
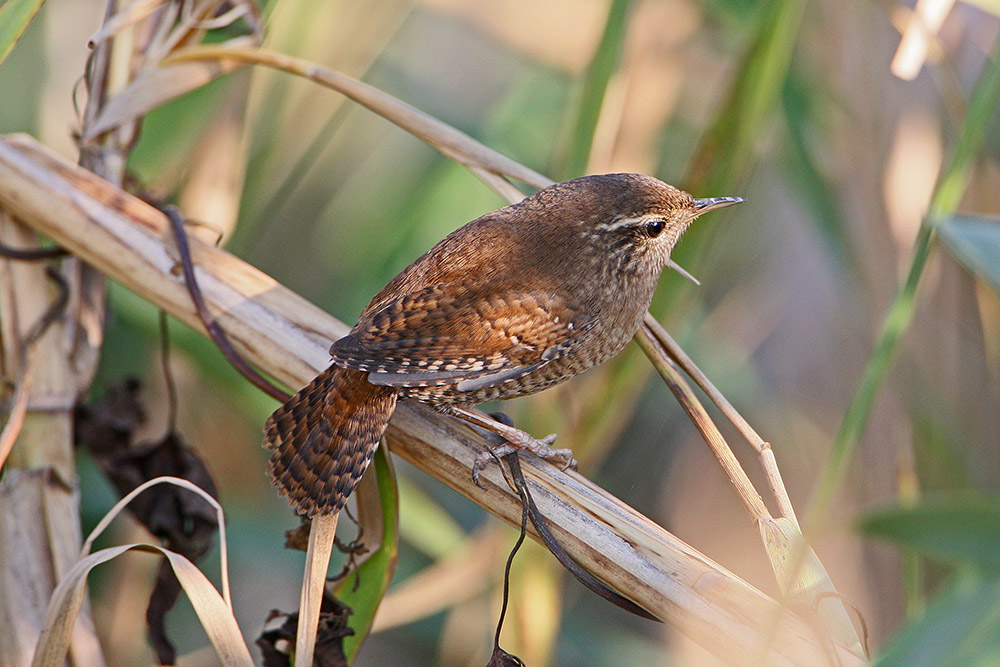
509, 304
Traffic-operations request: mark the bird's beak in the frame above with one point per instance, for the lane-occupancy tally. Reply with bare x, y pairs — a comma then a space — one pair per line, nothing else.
711, 203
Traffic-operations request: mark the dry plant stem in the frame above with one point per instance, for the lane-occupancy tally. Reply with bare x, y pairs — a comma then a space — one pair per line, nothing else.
39, 514
786, 548
768, 462
451, 142
499, 184
709, 431
321, 534
18, 408
288, 337
490, 166
39, 517
26, 364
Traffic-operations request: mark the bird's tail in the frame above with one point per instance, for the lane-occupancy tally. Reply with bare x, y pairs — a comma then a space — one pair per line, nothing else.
323, 438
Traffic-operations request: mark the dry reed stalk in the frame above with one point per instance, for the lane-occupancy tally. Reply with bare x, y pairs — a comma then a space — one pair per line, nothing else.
287, 337
39, 512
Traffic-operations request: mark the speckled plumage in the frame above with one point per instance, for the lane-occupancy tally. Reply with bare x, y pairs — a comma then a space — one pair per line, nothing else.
511, 303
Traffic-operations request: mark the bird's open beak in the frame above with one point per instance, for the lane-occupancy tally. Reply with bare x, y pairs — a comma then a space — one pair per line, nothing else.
711, 203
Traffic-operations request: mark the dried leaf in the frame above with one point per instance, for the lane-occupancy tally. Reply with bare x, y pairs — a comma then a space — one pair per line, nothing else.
215, 615
107, 426
129, 15
164, 596
501, 658
298, 538
805, 582
156, 86
275, 642
185, 522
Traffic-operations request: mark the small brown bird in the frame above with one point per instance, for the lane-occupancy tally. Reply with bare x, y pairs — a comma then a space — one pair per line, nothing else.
513, 302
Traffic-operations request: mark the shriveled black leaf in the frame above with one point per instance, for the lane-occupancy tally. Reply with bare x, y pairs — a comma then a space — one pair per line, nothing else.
501, 658
298, 538
275, 643
106, 427
162, 600
183, 521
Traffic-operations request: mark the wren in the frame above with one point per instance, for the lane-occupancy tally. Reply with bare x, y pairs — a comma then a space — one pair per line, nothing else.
516, 301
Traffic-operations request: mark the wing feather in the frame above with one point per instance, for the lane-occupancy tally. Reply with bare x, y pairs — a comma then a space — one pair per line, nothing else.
444, 335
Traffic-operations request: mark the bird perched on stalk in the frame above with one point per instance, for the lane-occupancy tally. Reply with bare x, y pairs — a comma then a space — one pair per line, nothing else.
516, 301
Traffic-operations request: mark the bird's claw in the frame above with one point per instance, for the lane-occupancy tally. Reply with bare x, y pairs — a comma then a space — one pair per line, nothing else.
485, 458
539, 447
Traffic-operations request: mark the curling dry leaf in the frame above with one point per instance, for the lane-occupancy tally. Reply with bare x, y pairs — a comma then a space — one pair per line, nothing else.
213, 612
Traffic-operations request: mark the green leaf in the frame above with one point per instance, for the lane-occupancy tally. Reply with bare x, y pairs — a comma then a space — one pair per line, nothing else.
726, 152
803, 108
364, 590
947, 195
804, 580
961, 627
595, 86
975, 242
426, 525
961, 529
14, 19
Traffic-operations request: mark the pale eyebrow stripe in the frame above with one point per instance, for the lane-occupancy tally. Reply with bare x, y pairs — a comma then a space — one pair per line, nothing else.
623, 222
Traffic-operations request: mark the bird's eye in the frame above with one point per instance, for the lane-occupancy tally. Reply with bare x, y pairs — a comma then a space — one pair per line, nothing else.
654, 228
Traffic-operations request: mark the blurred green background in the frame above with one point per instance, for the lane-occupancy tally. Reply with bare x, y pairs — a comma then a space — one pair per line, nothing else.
790, 104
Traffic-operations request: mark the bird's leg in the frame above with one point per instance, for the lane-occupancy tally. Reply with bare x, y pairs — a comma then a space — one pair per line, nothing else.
514, 440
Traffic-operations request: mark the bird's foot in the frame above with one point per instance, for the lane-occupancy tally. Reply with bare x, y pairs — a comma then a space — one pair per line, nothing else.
515, 440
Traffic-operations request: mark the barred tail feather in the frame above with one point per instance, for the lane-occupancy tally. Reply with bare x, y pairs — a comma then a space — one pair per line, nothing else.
324, 437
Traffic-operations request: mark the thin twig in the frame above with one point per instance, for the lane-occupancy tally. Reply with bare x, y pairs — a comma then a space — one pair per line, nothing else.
709, 431
214, 330
768, 462
31, 254
19, 403
510, 562
549, 540
168, 375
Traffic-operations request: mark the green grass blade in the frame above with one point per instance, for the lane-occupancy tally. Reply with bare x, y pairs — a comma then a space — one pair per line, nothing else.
726, 152
963, 529
595, 85
363, 591
801, 108
14, 19
961, 627
946, 198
